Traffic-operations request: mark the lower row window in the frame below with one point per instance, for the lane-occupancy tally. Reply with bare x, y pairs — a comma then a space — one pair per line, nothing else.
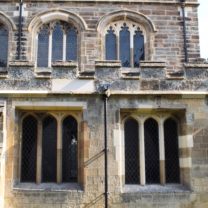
151, 152
45, 149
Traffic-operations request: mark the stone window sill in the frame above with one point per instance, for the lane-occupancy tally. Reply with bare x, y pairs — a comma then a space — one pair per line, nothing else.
170, 188
196, 65
65, 64
53, 187
152, 64
108, 63
21, 64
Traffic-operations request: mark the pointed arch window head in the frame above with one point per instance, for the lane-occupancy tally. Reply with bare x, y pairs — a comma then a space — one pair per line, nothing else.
56, 41
3, 45
124, 41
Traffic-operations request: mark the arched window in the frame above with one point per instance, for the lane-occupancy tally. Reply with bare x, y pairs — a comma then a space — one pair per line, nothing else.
69, 150
57, 41
49, 149
171, 151
151, 137
29, 149
3, 45
124, 40
131, 151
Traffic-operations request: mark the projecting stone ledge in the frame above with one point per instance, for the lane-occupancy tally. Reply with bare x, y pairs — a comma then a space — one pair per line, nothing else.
107, 63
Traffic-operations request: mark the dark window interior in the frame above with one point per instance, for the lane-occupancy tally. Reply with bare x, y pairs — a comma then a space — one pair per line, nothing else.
131, 152
151, 151
171, 151
29, 149
49, 149
69, 151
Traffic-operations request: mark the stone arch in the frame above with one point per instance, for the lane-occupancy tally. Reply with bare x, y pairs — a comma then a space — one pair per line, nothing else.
56, 14
126, 15
145, 23
4, 19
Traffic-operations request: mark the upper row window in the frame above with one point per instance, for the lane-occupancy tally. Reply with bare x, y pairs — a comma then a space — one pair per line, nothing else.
3, 45
124, 41
57, 41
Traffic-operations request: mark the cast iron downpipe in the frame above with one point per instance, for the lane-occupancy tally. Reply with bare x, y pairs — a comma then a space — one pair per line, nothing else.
184, 30
106, 94
20, 29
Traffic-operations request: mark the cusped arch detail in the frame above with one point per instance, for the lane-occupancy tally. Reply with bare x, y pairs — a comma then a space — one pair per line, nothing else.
4, 19
126, 15
57, 14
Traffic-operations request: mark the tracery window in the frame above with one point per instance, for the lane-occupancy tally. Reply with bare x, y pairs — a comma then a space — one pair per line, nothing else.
143, 140
56, 41
3, 45
124, 41
45, 149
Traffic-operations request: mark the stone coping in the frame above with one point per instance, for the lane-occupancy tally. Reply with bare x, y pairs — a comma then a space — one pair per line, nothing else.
192, 3
168, 188
152, 64
52, 187
21, 64
107, 63
64, 64
196, 65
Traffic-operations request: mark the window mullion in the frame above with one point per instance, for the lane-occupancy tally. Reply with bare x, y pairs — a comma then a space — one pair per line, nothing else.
39, 152
50, 50
59, 151
64, 46
162, 152
142, 153
131, 48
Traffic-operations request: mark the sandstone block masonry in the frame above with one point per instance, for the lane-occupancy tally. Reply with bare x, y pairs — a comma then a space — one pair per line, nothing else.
163, 87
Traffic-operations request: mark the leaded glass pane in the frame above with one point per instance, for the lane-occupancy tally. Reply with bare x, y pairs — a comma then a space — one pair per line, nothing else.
69, 150
71, 44
3, 46
138, 48
43, 43
29, 149
131, 152
151, 151
110, 45
124, 43
49, 141
57, 43
171, 151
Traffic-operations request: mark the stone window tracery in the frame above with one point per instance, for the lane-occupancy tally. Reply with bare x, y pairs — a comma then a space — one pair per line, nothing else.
49, 148
124, 41
151, 151
56, 41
